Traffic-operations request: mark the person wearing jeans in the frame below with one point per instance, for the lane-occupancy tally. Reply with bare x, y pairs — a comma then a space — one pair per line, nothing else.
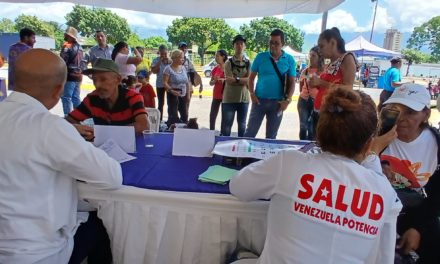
270, 97
235, 93
70, 97
176, 83
157, 67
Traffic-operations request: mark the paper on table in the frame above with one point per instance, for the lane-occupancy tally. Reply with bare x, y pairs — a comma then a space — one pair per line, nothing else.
193, 142
123, 135
114, 151
243, 148
217, 174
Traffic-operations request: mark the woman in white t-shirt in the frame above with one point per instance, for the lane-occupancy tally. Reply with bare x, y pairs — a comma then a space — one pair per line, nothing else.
329, 207
126, 63
411, 161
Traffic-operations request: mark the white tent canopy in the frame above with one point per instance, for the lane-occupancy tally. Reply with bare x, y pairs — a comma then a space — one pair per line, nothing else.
362, 47
207, 8
296, 54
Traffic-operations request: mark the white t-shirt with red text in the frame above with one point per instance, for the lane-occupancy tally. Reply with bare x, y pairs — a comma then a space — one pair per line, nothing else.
324, 208
415, 161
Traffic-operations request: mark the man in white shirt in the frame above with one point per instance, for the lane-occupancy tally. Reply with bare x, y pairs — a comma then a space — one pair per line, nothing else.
43, 156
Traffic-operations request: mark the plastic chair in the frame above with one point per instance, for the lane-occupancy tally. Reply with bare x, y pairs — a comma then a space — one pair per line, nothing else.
153, 118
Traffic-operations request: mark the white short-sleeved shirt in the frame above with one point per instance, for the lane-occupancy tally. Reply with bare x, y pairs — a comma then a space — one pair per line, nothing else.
324, 208
42, 156
124, 68
415, 160
178, 80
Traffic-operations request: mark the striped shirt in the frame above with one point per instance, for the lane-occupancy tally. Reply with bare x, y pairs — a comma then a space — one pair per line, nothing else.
128, 105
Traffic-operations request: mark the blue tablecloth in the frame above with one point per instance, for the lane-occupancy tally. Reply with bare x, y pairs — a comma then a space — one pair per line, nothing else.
156, 168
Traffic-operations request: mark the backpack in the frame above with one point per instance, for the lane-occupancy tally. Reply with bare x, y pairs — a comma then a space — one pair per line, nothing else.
246, 65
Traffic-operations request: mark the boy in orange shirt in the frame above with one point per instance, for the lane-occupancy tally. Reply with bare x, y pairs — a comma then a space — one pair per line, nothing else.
146, 90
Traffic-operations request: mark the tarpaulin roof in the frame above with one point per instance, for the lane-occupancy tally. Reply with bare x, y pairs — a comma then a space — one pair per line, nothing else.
208, 8
362, 47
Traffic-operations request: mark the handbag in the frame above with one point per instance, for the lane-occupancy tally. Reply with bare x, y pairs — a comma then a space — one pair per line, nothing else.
283, 78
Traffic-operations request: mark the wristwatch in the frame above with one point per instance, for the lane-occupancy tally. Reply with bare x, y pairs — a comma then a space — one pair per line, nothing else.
288, 99
237, 79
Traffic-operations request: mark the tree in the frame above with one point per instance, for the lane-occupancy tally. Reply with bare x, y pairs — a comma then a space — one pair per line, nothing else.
427, 35
40, 27
155, 42
203, 32
7, 25
134, 41
258, 31
88, 20
413, 56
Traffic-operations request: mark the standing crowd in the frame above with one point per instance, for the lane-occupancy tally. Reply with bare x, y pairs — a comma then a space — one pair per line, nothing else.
366, 197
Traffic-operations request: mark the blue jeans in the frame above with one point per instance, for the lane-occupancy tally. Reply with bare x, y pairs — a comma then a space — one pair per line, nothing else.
270, 109
305, 109
228, 115
70, 96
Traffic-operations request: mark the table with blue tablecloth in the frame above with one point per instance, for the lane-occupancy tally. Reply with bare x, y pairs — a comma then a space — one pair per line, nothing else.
163, 214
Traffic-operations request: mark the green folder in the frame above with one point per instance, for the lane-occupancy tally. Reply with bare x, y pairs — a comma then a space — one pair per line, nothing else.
217, 174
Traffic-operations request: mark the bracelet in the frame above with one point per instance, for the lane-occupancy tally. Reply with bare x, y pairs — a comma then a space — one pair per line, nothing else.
371, 152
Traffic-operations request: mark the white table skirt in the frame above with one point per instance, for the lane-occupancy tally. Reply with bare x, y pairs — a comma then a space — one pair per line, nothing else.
148, 226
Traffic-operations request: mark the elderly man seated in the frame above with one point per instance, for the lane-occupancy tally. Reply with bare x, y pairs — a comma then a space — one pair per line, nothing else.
110, 103
42, 157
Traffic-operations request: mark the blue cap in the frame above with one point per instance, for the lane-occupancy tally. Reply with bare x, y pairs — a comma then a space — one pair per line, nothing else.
142, 74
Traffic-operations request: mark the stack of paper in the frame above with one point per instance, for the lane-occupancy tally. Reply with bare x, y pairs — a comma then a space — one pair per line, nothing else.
217, 174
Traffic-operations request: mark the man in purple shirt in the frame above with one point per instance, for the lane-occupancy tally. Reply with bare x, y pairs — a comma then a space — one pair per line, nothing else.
27, 41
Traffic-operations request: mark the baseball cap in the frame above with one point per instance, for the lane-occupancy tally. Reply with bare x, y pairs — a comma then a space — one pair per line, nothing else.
181, 44
142, 74
102, 65
238, 38
412, 95
395, 59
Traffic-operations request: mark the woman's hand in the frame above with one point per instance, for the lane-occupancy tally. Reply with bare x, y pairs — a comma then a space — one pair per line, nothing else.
315, 81
174, 92
409, 241
379, 143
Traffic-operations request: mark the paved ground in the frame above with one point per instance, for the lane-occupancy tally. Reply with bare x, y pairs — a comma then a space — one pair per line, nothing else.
200, 108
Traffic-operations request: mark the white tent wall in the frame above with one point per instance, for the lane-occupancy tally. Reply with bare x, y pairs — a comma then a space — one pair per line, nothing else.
206, 8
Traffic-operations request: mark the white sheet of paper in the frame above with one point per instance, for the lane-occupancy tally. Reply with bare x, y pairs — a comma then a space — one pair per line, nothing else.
193, 142
113, 150
123, 135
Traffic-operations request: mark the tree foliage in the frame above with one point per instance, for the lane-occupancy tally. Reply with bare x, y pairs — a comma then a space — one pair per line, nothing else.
203, 32
427, 35
413, 56
155, 42
258, 31
7, 25
40, 27
88, 20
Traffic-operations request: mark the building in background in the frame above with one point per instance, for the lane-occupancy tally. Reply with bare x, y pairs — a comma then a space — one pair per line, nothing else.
392, 40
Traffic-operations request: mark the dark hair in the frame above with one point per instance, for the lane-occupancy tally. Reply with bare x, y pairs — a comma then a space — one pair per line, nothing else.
162, 47
347, 120
334, 33
224, 54
26, 32
278, 32
99, 31
141, 50
320, 58
129, 81
120, 45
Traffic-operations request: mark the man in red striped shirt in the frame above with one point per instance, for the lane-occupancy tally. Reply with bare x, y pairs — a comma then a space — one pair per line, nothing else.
110, 103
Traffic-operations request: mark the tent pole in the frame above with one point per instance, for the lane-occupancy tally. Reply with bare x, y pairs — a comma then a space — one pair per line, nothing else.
324, 21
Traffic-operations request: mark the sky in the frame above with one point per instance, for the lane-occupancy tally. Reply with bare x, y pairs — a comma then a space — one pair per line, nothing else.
352, 17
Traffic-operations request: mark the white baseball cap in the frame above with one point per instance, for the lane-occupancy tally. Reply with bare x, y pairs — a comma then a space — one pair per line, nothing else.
414, 96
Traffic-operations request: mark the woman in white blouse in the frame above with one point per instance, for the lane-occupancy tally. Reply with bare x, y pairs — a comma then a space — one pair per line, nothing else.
126, 63
329, 207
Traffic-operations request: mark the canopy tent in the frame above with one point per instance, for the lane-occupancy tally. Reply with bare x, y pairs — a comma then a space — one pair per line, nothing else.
362, 47
296, 54
206, 8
